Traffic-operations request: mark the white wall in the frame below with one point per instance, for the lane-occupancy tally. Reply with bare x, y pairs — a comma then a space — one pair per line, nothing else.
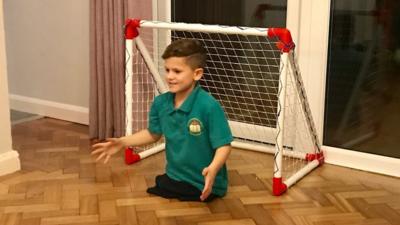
47, 44
9, 161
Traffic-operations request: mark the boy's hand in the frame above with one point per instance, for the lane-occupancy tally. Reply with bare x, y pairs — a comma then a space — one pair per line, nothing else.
209, 176
107, 149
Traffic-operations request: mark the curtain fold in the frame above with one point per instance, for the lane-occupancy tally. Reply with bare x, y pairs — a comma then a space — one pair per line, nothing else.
107, 73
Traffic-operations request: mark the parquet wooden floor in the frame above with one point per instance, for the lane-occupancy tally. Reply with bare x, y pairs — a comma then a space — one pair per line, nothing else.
61, 184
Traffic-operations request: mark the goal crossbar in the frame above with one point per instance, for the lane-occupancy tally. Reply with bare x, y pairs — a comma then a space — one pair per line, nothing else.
286, 43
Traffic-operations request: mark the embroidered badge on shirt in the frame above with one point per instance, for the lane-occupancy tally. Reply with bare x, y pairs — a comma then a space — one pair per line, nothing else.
195, 126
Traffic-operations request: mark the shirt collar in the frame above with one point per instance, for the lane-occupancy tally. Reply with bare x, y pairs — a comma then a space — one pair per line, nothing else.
187, 104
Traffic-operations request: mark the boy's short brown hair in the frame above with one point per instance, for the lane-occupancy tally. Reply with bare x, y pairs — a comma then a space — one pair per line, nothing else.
191, 49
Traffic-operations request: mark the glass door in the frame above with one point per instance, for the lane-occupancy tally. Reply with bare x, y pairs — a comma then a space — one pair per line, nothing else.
362, 105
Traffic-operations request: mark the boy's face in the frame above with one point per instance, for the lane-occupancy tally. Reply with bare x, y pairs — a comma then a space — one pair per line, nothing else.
180, 77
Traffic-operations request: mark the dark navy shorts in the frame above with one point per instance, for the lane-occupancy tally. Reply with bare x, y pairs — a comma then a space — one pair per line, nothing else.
169, 188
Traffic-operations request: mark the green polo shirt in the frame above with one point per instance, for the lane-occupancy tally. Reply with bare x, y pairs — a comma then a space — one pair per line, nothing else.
192, 132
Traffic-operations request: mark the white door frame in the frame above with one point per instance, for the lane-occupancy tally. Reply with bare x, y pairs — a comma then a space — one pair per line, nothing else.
308, 21
161, 10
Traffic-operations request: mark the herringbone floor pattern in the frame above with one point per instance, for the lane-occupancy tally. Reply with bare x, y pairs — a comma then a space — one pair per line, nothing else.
61, 184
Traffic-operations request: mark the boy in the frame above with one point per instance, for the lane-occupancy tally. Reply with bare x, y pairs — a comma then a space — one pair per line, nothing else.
195, 128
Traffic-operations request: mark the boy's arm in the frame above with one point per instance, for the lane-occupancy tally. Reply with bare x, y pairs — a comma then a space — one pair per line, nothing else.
114, 145
139, 138
209, 173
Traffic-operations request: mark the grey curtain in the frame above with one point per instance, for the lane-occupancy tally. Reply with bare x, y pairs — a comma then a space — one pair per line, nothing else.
107, 73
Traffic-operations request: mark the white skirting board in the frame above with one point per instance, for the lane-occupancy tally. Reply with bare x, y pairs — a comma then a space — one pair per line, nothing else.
362, 161
52, 109
9, 162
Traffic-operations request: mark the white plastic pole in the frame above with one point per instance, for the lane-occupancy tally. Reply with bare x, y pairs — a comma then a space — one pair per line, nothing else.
253, 147
205, 28
128, 86
156, 149
266, 149
281, 115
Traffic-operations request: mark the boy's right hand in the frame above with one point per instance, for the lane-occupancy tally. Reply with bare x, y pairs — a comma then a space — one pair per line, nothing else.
107, 149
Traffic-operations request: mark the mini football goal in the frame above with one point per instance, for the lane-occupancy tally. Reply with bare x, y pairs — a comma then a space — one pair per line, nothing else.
252, 73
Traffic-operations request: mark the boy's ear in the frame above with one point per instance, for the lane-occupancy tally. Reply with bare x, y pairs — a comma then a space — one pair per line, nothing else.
198, 73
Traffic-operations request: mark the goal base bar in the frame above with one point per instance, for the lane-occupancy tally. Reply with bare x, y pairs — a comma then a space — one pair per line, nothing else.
279, 187
271, 150
132, 157
247, 146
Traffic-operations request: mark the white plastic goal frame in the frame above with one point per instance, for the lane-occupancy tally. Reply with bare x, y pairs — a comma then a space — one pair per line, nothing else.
287, 60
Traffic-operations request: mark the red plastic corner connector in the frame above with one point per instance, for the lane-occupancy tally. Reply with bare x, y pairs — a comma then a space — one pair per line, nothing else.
131, 156
285, 43
278, 187
131, 28
318, 156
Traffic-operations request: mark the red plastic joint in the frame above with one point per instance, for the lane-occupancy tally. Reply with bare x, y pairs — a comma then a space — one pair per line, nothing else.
278, 187
131, 28
318, 156
131, 156
285, 43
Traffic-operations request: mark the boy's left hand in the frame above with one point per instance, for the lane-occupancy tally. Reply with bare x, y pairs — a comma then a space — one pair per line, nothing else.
209, 176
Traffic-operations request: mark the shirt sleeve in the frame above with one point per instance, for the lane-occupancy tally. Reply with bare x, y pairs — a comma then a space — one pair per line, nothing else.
154, 125
219, 132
